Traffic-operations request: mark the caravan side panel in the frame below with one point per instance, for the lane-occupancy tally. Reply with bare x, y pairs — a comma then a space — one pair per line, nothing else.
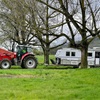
69, 56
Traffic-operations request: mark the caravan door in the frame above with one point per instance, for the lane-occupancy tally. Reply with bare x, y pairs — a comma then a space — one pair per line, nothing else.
97, 58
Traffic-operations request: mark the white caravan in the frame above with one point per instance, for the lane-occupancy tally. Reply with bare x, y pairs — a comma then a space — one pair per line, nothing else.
71, 56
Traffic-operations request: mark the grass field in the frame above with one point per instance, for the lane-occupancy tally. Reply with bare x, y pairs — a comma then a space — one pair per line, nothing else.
50, 83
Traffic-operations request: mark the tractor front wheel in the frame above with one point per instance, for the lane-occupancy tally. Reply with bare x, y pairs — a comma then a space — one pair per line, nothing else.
29, 62
5, 64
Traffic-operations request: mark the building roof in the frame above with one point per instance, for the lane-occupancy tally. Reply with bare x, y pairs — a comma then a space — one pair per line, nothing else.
95, 42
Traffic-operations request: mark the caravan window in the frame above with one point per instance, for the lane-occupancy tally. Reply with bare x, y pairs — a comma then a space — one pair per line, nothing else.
97, 54
89, 54
73, 54
67, 53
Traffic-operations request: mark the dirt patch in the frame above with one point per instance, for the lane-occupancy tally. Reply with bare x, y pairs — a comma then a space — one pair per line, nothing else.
16, 76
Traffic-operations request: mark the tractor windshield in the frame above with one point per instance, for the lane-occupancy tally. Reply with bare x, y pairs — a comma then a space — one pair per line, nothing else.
29, 49
24, 49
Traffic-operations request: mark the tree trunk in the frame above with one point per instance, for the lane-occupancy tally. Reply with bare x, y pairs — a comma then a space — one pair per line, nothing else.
84, 54
46, 57
46, 49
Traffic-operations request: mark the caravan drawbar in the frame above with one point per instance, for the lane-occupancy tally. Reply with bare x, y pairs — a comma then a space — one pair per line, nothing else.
72, 57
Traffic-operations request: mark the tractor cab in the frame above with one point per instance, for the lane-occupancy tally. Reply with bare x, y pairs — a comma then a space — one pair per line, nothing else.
22, 49
25, 56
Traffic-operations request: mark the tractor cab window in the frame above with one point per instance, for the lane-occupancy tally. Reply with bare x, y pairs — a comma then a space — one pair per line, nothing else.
21, 49
24, 49
29, 49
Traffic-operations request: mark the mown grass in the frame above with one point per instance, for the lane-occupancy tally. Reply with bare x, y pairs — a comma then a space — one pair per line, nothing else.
50, 83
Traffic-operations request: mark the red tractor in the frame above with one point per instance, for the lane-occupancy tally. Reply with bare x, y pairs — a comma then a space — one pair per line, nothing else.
23, 57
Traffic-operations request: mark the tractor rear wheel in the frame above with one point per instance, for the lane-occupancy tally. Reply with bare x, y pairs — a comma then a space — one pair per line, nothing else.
5, 64
29, 62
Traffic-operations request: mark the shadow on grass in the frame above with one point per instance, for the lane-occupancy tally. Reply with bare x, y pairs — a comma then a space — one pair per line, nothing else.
42, 66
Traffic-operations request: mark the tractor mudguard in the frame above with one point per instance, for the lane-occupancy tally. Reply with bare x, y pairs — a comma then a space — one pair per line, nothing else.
26, 54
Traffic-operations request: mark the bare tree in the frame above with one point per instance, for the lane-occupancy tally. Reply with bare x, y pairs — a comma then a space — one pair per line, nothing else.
27, 20
14, 22
82, 17
44, 22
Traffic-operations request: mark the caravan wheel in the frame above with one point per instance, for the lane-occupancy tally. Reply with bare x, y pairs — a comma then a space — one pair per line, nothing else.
79, 65
58, 61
